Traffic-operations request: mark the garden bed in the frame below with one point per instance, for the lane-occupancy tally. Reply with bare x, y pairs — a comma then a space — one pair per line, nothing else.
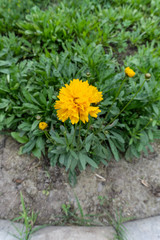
133, 187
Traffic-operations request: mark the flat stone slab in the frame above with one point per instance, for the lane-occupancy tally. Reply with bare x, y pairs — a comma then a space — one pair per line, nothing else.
74, 233
145, 229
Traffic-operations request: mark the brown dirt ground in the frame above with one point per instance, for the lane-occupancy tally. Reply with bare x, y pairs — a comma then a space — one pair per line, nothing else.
133, 187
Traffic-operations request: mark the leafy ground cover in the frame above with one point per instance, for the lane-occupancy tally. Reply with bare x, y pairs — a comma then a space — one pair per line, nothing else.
44, 45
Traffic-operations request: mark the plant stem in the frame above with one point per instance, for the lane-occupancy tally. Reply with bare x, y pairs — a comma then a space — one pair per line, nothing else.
65, 134
49, 138
89, 124
127, 104
115, 98
74, 135
146, 125
79, 135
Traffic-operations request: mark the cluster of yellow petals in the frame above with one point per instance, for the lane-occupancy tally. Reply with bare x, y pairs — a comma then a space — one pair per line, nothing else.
75, 101
43, 125
129, 72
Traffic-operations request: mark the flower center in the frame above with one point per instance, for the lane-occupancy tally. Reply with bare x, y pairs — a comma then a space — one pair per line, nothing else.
74, 100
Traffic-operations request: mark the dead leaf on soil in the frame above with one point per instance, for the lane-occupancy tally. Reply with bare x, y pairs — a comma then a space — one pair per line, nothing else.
144, 183
100, 177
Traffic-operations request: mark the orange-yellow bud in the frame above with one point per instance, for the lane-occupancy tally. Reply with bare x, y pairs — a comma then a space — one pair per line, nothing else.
129, 72
43, 125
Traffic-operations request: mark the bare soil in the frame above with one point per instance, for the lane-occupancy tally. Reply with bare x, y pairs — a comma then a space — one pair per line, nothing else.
133, 187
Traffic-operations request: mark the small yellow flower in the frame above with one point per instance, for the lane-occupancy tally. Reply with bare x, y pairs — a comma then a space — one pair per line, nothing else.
43, 125
129, 72
75, 101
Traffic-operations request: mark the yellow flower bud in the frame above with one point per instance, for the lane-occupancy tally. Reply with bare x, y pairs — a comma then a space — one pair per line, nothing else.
43, 125
129, 72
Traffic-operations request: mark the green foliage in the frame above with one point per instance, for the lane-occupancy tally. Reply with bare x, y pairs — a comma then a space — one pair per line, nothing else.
28, 220
44, 44
76, 216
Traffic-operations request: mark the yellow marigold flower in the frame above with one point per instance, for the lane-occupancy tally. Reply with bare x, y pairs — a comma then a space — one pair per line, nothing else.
75, 101
43, 125
129, 72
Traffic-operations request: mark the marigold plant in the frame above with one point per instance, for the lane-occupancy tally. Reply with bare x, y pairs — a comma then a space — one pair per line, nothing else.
75, 101
129, 72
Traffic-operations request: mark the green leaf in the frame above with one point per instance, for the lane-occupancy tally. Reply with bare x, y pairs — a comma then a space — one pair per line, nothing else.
34, 125
156, 109
112, 124
42, 99
150, 134
118, 136
31, 106
87, 146
72, 178
40, 143
114, 150
9, 120
29, 146
90, 162
89, 138
19, 139
74, 164
53, 160
134, 151
4, 103
25, 126
2, 116
37, 152
74, 155
82, 159
69, 161
88, 142
62, 158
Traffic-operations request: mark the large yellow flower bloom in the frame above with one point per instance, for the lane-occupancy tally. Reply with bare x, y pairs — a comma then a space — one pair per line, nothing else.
75, 101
